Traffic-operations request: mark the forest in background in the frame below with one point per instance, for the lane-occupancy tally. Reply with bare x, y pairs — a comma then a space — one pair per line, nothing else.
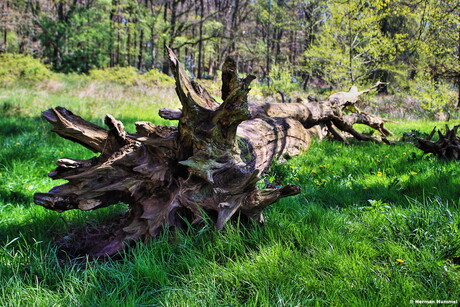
414, 45
375, 225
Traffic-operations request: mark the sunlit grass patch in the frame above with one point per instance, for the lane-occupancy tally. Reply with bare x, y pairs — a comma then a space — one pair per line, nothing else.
374, 224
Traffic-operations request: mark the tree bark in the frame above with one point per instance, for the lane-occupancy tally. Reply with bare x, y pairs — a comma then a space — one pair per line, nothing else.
200, 42
140, 61
172, 176
329, 113
128, 45
210, 163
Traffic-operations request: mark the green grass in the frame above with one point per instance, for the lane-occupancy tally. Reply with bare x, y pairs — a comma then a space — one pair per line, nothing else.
362, 207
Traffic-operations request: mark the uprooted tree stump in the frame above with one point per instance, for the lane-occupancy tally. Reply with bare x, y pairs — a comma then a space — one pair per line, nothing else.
447, 147
209, 164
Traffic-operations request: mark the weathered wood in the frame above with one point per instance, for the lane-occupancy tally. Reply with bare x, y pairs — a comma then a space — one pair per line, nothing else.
76, 129
447, 147
328, 113
210, 163
343, 99
171, 114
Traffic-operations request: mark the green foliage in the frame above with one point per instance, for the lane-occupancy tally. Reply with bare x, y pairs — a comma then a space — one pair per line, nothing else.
435, 97
80, 40
371, 220
88, 41
437, 48
128, 76
389, 41
154, 76
17, 67
354, 46
281, 79
336, 56
326, 43
339, 242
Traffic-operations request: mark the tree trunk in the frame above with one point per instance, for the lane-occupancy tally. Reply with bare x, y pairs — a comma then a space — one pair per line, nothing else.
5, 40
128, 45
458, 73
112, 32
172, 176
200, 43
165, 64
140, 62
329, 113
118, 46
6, 12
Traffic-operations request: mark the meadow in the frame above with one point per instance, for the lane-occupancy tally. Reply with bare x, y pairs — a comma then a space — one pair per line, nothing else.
375, 225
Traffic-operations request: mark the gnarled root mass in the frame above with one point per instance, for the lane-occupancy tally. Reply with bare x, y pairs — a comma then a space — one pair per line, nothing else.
209, 164
447, 147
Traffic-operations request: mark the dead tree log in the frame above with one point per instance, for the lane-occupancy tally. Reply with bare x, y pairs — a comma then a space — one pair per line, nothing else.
447, 147
172, 176
331, 115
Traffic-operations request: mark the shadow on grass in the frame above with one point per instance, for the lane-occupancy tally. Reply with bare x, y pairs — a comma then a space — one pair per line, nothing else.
47, 226
39, 224
14, 197
439, 186
32, 227
13, 126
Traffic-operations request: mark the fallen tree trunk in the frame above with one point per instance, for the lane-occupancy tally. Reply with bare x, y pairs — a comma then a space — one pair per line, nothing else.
328, 114
171, 176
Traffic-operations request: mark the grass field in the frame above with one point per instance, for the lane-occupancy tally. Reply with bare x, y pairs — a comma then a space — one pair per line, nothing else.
375, 225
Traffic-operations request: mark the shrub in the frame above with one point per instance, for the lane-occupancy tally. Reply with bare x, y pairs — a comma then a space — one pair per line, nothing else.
156, 77
128, 76
18, 67
282, 79
435, 97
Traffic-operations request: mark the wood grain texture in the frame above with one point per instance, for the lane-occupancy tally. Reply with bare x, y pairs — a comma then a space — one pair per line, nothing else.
170, 176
